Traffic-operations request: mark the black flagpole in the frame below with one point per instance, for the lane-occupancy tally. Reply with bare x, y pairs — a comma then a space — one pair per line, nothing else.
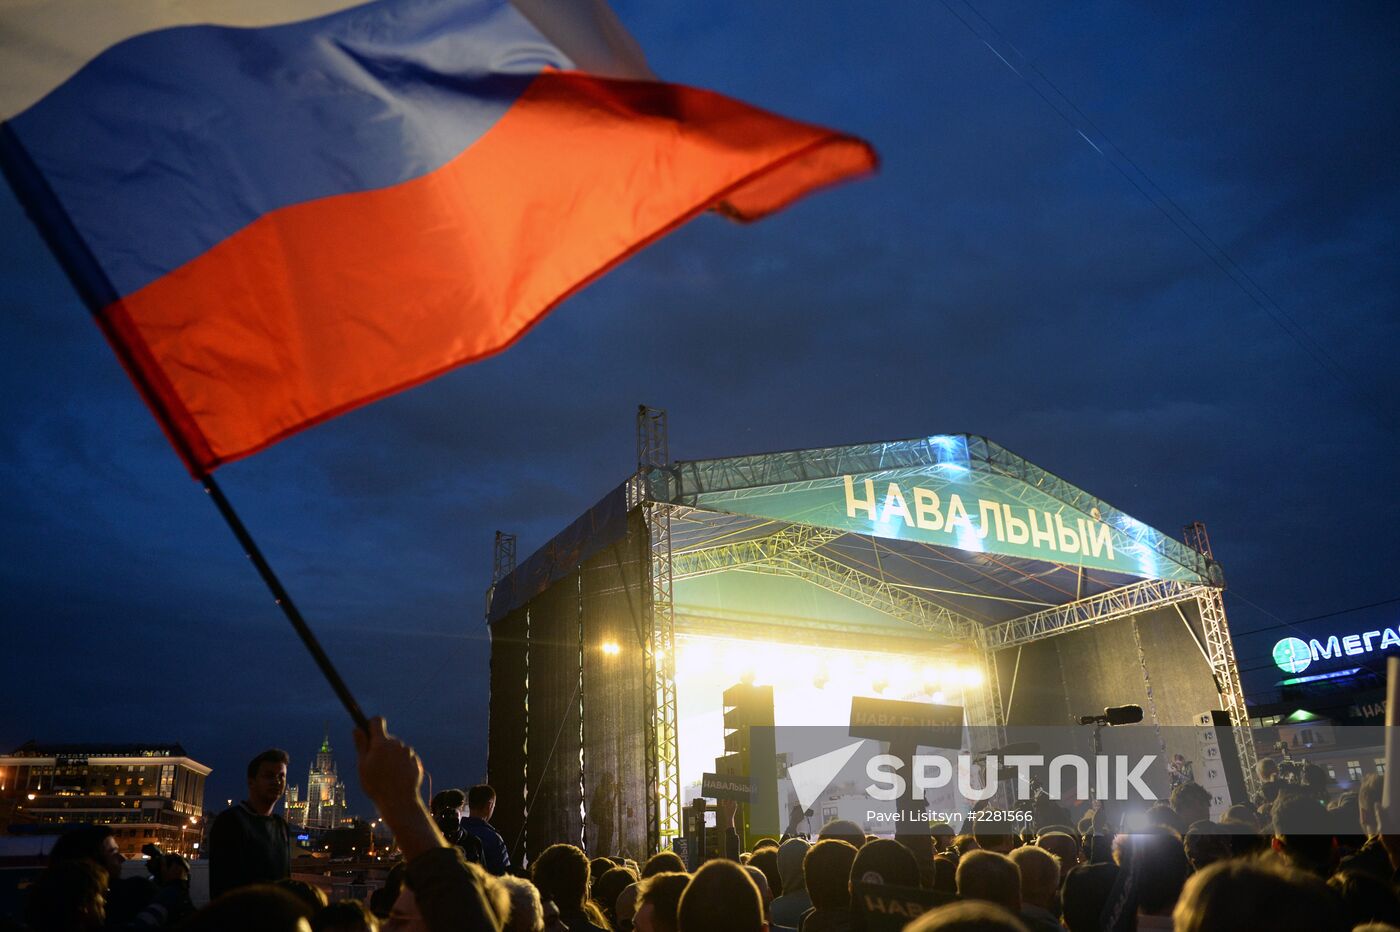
96, 290
284, 601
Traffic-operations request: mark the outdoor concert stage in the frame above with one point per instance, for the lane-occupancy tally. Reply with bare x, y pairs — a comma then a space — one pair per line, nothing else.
941, 569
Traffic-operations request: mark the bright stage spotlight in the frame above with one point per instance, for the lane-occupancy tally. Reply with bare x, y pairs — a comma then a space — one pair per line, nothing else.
972, 677
813, 685
611, 648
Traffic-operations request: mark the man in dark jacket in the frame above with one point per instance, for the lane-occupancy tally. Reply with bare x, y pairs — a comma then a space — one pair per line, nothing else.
481, 804
249, 843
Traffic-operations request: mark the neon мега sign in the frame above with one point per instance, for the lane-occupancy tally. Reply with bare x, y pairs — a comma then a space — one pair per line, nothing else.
1294, 655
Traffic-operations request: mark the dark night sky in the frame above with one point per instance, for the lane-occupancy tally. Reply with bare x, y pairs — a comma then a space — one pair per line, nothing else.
999, 277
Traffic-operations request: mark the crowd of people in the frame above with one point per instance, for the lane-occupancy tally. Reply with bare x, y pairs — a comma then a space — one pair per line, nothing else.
1294, 860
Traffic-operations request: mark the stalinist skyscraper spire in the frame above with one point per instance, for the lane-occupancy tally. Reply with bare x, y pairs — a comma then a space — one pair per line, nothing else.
325, 794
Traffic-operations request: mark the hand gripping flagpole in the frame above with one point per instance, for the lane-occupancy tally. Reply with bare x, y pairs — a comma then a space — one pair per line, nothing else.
97, 292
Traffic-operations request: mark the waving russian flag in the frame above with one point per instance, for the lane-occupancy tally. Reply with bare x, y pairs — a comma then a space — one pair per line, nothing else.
279, 210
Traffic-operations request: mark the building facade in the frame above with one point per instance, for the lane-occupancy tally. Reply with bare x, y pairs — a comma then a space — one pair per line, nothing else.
323, 807
148, 794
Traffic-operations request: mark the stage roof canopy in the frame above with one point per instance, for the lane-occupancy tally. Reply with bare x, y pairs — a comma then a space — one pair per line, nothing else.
955, 525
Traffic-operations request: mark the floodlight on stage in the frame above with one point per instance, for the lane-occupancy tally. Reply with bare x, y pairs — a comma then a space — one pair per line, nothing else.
611, 648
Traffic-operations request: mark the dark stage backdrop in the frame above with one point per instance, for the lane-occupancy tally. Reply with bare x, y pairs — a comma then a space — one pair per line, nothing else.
1083, 672
566, 750
508, 734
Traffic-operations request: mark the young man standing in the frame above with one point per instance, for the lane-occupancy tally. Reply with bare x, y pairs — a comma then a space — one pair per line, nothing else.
481, 803
249, 843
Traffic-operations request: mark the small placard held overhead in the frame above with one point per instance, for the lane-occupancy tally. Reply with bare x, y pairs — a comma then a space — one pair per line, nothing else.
720, 786
923, 724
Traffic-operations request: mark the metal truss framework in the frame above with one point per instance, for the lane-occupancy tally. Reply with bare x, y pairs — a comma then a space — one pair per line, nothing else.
794, 552
1084, 613
659, 646
502, 563
1220, 650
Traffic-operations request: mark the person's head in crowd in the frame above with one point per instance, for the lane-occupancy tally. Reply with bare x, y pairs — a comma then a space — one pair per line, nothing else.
721, 895
314, 897
1064, 846
481, 802
1245, 840
1040, 877
526, 912
828, 870
381, 901
166, 869
744, 856
1365, 898
658, 900
920, 845
885, 861
345, 916
1162, 867
561, 874
1206, 842
446, 809
764, 842
1315, 779
964, 843
597, 867
990, 876
790, 857
1345, 818
496, 895
1238, 894
1084, 894
1191, 802
608, 887
1085, 828
1242, 814
1267, 768
842, 830
942, 834
68, 896
262, 906
1368, 797
663, 862
1302, 835
1166, 817
95, 843
267, 779
970, 916
625, 913
990, 837
765, 859
945, 873
765, 893
155, 860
